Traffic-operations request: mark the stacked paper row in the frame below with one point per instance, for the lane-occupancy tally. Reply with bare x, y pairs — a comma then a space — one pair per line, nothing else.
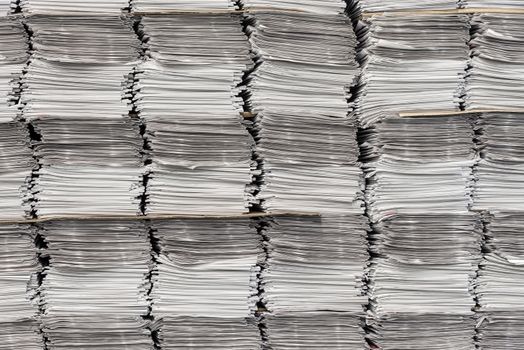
188, 96
94, 290
411, 63
76, 94
19, 268
425, 244
67, 7
205, 284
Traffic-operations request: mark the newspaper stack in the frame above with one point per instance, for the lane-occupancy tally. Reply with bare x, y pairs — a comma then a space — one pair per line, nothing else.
496, 77
319, 7
426, 245
75, 98
409, 5
306, 133
166, 6
498, 187
405, 69
19, 328
16, 161
63, 7
188, 96
205, 284
94, 290
6, 7
312, 283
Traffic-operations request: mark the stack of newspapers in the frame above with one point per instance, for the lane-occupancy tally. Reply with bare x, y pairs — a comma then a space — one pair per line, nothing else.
67, 7
170, 6
409, 5
426, 244
188, 96
496, 77
19, 326
74, 94
306, 132
405, 69
493, 4
498, 191
205, 284
15, 159
315, 265
94, 291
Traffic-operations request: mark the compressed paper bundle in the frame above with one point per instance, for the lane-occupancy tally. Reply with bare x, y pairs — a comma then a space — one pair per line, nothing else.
315, 263
499, 172
75, 7
412, 63
6, 7
96, 284
76, 99
500, 330
419, 165
496, 77
423, 331
409, 5
166, 6
319, 7
425, 263
201, 151
206, 282
315, 331
209, 332
19, 269
15, 159
303, 118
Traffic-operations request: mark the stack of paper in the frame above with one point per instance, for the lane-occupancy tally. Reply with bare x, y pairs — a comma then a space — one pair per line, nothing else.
19, 328
412, 63
427, 331
16, 161
165, 6
496, 77
91, 7
500, 282
7, 7
409, 5
313, 331
306, 137
75, 97
205, 283
426, 245
94, 291
319, 7
315, 263
312, 283
201, 151
499, 173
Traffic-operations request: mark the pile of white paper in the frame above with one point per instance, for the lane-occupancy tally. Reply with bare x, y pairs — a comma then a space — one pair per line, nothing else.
306, 135
496, 77
501, 330
6, 7
407, 5
19, 267
315, 264
412, 63
163, 6
499, 173
313, 331
75, 95
426, 245
319, 7
206, 276
419, 165
188, 96
423, 331
16, 161
73, 7
95, 289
